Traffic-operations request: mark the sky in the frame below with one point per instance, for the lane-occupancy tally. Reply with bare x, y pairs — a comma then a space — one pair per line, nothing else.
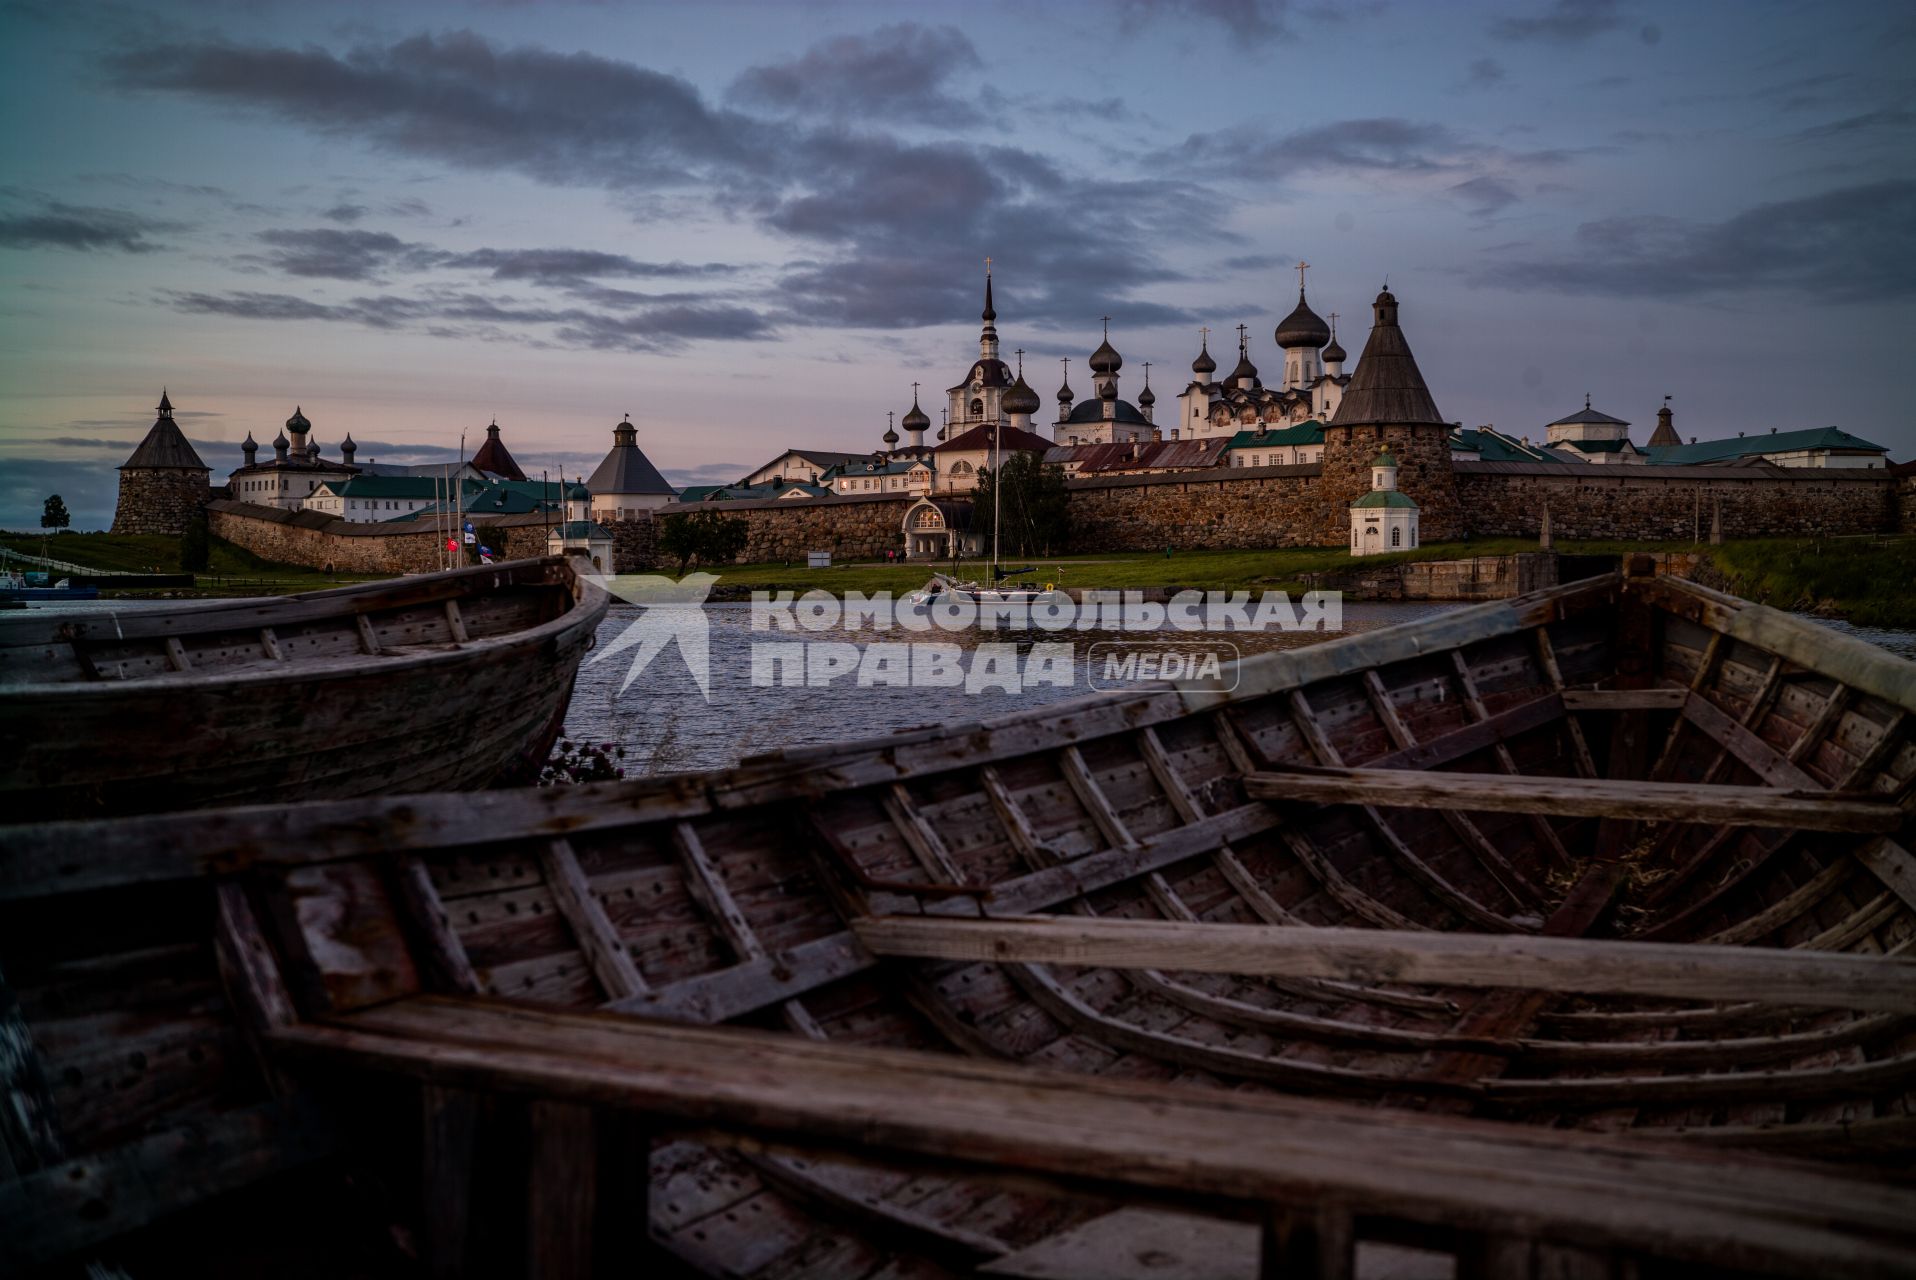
755, 226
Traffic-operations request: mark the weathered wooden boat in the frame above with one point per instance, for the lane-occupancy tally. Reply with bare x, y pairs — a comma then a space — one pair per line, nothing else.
1560, 936
441, 681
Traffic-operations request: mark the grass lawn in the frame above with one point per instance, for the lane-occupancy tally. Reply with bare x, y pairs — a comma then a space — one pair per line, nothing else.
230, 571
1200, 570
1869, 581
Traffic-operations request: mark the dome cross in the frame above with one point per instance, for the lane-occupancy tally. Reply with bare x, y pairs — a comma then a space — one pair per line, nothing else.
1302, 267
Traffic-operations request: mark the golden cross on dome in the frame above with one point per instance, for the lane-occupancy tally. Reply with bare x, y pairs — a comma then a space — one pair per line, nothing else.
1204, 336
1302, 267
987, 266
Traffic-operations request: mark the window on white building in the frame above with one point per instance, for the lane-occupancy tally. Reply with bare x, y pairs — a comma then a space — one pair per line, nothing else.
1397, 537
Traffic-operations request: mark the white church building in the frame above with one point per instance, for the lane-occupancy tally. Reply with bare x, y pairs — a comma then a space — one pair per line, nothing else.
1385, 519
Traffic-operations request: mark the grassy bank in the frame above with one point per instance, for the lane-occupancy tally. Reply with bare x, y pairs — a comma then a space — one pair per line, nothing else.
1869, 581
1201, 570
230, 571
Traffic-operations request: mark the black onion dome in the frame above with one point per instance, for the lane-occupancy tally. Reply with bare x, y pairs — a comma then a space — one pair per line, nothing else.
248, 442
1333, 353
1107, 391
279, 441
1021, 398
1303, 327
916, 419
297, 422
890, 437
1147, 396
1204, 364
1106, 358
1065, 394
1245, 369
347, 443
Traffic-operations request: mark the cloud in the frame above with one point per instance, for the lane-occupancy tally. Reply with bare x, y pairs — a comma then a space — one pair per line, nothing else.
658, 326
1566, 22
1485, 73
55, 224
560, 266
1255, 262
864, 202
1484, 196
345, 213
325, 253
88, 488
1843, 245
1373, 147
1893, 120
1252, 22
897, 73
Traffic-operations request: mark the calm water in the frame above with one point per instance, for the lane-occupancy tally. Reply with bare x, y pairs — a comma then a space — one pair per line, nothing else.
664, 723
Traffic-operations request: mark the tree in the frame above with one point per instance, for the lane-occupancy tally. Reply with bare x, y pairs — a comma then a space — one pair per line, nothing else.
705, 536
1037, 509
195, 545
53, 516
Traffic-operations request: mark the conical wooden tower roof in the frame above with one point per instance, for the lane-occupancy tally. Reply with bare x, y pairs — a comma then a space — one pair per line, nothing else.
1386, 387
165, 446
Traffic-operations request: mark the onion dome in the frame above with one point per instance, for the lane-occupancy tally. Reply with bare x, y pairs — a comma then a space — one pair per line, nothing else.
916, 419
1065, 394
312, 448
347, 444
298, 423
1204, 366
891, 433
1106, 358
1334, 354
280, 442
1303, 327
1245, 369
248, 443
577, 491
1021, 398
1147, 397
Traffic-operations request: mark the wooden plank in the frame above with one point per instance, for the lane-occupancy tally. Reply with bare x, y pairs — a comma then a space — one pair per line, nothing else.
1889, 862
1726, 1210
456, 621
1474, 704
1735, 737
1651, 699
1307, 1244
269, 643
1832, 711
1807, 644
598, 939
561, 1190
29, 1126
1547, 658
708, 889
448, 1144
445, 953
85, 1201
176, 655
1514, 961
250, 972
1578, 797
368, 642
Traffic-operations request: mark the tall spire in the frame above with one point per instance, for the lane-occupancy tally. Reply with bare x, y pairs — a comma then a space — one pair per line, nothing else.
988, 336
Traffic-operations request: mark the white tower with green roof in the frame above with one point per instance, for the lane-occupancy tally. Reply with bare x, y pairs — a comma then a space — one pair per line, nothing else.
1383, 520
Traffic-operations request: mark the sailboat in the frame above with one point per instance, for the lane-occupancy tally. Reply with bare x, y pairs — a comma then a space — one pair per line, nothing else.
944, 586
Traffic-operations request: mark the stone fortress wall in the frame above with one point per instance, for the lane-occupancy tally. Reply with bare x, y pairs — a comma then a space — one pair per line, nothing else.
1242, 508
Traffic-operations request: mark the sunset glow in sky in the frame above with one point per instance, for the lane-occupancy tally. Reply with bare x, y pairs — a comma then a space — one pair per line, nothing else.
754, 226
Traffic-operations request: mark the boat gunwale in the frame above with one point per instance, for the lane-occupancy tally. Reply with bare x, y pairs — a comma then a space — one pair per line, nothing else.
588, 604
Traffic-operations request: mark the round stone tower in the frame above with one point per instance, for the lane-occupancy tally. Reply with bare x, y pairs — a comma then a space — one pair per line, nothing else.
1387, 406
163, 483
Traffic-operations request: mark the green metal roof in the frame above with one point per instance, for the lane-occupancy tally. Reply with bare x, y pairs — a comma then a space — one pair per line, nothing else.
1597, 446
1385, 498
1770, 442
1311, 432
1384, 459
580, 530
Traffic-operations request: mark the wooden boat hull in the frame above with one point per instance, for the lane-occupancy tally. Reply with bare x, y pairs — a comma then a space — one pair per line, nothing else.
226, 722
1035, 975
